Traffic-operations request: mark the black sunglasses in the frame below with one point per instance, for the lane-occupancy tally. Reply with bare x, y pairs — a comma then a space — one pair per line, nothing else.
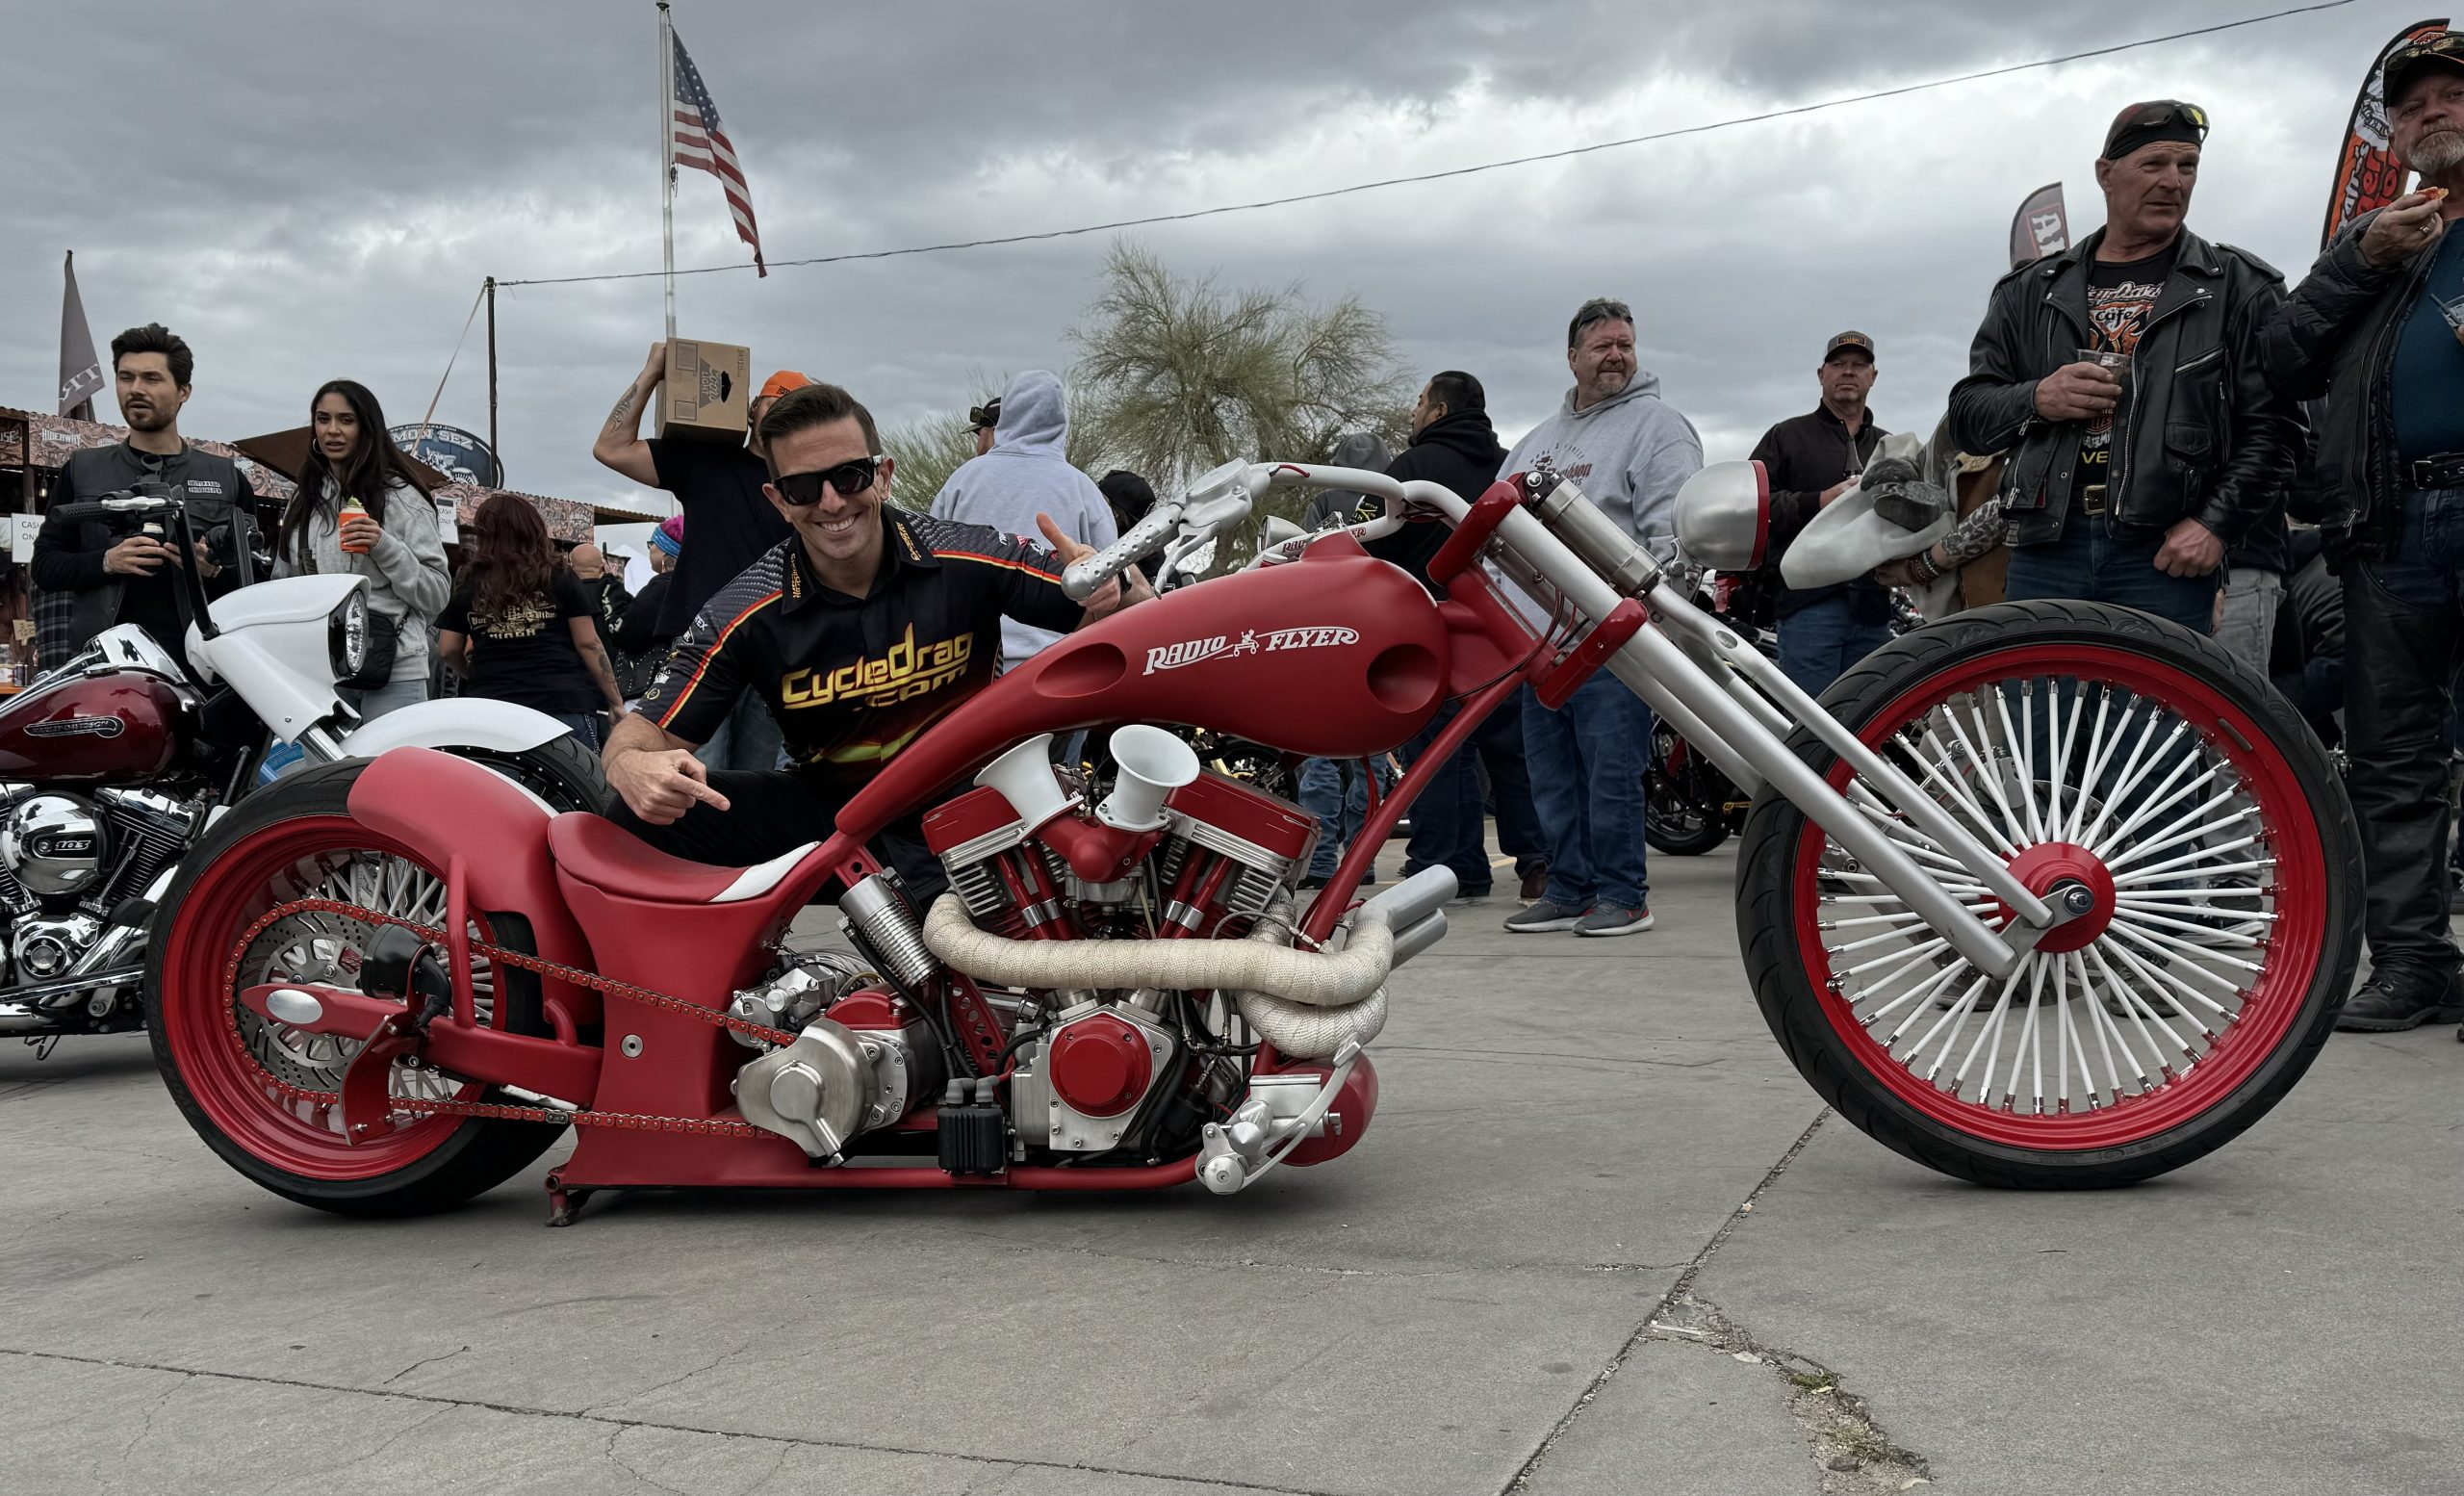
979, 417
851, 478
2165, 112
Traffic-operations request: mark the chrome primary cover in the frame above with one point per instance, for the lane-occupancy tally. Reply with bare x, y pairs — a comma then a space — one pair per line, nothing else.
54, 843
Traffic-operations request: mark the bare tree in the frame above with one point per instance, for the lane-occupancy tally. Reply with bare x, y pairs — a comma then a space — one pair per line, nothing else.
927, 452
1178, 374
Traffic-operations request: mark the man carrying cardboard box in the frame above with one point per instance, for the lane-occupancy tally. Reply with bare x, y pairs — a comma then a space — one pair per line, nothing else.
718, 485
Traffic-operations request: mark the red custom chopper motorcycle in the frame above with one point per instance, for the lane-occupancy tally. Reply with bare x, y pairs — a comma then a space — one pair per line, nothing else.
2050, 894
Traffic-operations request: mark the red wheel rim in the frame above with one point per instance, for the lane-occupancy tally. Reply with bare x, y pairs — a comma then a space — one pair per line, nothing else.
230, 1084
2163, 979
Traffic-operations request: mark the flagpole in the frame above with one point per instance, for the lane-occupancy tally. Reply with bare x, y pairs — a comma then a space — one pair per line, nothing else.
667, 161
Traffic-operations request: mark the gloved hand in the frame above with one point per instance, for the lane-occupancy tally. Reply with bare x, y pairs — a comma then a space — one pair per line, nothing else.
1901, 493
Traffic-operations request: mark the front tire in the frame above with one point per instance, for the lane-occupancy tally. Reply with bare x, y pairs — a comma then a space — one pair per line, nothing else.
2088, 745
227, 1068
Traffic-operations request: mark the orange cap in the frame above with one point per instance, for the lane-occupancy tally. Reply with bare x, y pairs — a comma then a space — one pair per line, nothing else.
781, 384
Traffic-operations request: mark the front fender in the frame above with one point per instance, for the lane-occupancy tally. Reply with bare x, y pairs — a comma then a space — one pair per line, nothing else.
458, 722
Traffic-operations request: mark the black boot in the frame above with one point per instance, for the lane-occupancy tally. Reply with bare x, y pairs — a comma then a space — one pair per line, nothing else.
2404, 999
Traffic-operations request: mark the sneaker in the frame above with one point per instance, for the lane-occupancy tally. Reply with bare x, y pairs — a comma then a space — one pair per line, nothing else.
1535, 887
1614, 920
1544, 916
1479, 895
2388, 1003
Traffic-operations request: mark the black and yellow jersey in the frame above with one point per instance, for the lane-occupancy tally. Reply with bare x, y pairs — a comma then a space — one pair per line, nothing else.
852, 680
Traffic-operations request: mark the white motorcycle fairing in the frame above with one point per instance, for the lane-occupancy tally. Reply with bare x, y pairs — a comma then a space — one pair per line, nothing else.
275, 649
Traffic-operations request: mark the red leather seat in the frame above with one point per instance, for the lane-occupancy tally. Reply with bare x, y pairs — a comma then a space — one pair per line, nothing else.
598, 852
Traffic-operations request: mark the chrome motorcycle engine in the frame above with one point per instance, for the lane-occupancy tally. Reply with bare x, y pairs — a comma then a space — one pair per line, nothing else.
55, 844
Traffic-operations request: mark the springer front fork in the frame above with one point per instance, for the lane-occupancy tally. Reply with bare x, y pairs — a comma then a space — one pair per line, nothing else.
1728, 699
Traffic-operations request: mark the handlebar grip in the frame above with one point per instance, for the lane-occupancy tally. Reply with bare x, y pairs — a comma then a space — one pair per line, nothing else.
1083, 577
80, 510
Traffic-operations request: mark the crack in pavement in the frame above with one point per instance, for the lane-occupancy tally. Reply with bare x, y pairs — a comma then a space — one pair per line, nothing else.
1856, 1456
1521, 1480
416, 1365
800, 1441
630, 1468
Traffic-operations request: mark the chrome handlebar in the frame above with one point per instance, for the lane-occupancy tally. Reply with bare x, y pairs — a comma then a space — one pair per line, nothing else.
1215, 503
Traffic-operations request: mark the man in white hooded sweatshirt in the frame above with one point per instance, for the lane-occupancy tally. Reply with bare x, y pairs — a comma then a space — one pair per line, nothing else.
1023, 475
1629, 452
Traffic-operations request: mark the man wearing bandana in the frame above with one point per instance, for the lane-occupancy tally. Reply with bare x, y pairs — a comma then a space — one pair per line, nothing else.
2125, 378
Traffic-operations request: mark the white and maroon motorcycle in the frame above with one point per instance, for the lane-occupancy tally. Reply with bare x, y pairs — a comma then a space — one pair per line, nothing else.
114, 764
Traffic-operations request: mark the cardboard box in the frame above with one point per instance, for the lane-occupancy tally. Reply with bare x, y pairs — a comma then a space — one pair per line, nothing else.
708, 387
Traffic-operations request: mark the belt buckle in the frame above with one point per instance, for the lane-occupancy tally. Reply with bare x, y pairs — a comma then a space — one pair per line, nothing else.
2092, 499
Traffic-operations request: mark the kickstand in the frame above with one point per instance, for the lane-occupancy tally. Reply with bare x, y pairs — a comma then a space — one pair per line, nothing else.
564, 1205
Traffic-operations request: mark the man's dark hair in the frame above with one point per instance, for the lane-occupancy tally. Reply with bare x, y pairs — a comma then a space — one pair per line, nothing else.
1458, 391
155, 338
1599, 309
812, 405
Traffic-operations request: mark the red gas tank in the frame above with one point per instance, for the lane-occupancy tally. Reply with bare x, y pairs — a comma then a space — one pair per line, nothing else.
1334, 656
113, 729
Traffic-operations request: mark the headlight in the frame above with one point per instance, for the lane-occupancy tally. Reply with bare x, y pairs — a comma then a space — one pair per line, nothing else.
346, 635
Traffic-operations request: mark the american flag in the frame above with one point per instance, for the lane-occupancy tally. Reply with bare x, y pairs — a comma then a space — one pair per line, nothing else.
697, 139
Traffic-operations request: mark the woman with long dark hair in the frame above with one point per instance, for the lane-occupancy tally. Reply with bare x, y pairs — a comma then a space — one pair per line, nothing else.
362, 509
519, 628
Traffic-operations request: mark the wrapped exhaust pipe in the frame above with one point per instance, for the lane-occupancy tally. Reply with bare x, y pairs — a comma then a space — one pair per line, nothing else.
1306, 1002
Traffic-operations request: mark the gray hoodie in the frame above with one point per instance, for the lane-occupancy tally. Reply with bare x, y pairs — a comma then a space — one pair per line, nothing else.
1630, 454
1024, 475
407, 579
1334, 508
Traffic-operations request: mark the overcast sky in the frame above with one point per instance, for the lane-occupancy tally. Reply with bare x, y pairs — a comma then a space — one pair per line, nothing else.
312, 191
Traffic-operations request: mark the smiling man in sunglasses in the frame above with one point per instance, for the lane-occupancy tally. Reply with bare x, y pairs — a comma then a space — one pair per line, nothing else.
859, 631
2126, 381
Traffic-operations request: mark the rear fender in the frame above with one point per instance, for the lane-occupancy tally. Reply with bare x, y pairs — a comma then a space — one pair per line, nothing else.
442, 808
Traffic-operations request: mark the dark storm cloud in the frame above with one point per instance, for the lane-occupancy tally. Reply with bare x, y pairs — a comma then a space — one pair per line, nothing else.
305, 190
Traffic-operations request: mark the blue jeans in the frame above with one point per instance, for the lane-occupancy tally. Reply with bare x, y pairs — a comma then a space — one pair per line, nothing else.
584, 725
1336, 791
2091, 564
748, 740
1587, 762
1819, 642
1450, 820
392, 696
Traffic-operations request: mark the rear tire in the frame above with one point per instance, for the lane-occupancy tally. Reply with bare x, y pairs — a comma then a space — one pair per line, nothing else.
279, 839
561, 771
2195, 907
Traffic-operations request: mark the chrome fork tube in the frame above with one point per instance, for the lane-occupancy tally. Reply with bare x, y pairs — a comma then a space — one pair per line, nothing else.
1660, 672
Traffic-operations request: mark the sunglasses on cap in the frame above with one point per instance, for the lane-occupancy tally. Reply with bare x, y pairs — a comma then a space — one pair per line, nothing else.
2161, 113
803, 490
2396, 73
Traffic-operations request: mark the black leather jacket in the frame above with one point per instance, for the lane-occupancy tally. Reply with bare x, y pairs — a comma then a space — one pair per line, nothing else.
2201, 434
2337, 338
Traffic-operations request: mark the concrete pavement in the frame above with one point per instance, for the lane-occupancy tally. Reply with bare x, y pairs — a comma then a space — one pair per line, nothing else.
1533, 1273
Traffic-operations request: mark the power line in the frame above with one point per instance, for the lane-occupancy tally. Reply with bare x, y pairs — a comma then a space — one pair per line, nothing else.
1469, 170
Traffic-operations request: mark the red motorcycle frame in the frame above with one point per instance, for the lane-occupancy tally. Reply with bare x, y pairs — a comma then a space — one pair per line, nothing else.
637, 954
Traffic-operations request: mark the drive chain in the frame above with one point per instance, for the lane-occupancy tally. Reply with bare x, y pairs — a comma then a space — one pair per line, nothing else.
703, 1126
